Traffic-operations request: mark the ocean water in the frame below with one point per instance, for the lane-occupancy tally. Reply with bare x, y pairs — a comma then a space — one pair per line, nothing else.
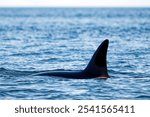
37, 39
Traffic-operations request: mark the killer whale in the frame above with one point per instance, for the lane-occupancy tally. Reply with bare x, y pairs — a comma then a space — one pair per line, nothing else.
96, 68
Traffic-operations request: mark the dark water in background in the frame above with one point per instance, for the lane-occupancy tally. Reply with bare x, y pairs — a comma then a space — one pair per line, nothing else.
46, 39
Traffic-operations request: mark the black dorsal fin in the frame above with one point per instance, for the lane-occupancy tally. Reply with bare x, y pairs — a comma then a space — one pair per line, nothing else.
98, 64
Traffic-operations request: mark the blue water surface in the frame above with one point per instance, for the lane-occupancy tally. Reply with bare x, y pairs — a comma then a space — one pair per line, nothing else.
36, 39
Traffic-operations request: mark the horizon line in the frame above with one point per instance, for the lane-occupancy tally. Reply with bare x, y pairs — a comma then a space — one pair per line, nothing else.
75, 6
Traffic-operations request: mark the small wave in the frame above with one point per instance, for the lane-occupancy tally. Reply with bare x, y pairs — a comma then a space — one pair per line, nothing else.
2, 69
9, 72
143, 97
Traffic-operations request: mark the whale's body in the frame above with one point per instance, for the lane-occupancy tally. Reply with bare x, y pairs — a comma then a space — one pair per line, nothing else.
97, 67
